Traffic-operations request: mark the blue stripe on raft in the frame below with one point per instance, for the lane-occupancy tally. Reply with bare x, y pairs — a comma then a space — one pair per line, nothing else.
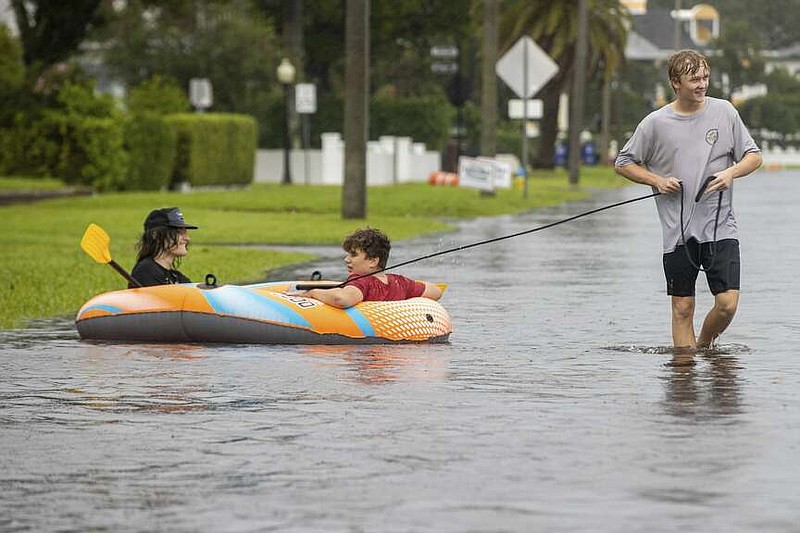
238, 301
107, 308
356, 316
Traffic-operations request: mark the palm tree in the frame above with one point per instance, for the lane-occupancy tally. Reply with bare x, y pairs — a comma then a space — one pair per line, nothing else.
554, 27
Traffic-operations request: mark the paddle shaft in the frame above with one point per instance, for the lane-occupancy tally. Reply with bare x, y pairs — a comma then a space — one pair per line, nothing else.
124, 273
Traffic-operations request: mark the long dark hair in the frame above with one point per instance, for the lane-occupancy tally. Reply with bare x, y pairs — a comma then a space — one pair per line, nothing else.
156, 241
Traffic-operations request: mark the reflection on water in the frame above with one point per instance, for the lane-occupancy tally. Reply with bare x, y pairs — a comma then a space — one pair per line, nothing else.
699, 384
703, 384
114, 378
385, 363
52, 331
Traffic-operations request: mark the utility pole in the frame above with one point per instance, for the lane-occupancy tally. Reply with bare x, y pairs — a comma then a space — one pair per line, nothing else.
576, 101
295, 45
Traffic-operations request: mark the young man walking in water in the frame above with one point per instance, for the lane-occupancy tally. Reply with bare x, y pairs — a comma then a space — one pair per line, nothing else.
675, 150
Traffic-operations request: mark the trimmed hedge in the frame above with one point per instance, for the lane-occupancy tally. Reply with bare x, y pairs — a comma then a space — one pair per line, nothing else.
150, 142
100, 154
213, 149
146, 152
78, 150
6, 145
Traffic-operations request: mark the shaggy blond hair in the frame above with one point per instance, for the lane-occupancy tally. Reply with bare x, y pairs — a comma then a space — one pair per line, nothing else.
685, 62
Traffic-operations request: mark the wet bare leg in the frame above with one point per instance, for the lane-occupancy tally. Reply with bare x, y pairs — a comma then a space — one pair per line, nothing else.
719, 318
683, 337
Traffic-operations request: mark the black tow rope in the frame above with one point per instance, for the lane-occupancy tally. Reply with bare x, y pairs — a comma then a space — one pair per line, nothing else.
713, 243
480, 243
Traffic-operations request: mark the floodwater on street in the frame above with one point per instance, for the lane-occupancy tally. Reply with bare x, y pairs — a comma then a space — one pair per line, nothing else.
558, 404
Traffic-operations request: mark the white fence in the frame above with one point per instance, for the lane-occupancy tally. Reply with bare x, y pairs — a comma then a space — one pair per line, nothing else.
389, 160
779, 157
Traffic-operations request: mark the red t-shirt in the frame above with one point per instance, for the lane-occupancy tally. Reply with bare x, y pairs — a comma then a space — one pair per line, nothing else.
398, 288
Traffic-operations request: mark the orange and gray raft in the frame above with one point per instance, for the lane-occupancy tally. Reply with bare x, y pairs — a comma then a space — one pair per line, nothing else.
255, 314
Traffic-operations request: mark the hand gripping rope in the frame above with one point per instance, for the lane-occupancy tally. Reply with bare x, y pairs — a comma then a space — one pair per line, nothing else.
713, 244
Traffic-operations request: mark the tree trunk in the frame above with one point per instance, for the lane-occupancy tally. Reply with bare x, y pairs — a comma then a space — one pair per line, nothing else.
548, 125
605, 134
489, 79
356, 109
577, 94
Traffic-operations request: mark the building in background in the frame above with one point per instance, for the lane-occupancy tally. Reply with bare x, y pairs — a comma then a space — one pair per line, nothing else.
657, 32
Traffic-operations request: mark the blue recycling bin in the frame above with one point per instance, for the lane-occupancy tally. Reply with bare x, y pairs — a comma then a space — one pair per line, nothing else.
560, 155
588, 153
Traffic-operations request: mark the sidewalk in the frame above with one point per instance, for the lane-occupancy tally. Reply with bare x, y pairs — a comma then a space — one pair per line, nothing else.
12, 196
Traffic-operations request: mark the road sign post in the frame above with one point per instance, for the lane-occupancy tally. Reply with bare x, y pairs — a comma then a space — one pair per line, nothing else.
305, 102
525, 68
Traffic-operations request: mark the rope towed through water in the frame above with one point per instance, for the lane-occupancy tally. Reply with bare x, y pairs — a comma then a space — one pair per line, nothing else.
487, 241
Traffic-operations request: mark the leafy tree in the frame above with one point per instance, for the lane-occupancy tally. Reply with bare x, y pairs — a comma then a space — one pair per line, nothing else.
740, 58
402, 33
774, 116
780, 81
51, 32
160, 95
12, 74
226, 41
12, 70
553, 25
81, 101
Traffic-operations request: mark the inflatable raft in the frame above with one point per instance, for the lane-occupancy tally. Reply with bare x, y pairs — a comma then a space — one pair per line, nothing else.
255, 314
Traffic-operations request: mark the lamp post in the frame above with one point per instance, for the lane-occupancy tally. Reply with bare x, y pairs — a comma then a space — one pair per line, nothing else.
285, 73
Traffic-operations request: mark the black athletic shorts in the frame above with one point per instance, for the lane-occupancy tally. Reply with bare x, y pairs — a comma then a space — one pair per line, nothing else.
720, 260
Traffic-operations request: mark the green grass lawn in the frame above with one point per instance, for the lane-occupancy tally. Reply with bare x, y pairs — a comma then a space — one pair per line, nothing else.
46, 274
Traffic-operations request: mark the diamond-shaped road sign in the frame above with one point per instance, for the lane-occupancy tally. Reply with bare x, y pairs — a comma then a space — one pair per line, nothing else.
511, 67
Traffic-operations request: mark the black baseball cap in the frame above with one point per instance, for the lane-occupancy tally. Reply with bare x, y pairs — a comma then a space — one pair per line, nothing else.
170, 217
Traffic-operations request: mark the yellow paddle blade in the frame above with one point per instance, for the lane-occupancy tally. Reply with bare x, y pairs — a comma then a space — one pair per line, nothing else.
95, 243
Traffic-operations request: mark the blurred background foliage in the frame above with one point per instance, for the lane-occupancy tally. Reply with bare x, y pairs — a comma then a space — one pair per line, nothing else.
144, 52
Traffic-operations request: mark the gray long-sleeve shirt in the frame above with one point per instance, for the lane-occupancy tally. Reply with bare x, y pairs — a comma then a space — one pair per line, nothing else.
691, 148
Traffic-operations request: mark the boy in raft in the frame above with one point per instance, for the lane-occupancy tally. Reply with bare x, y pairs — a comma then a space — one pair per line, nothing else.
367, 254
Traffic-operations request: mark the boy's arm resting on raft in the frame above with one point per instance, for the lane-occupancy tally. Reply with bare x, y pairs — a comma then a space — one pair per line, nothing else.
432, 291
349, 295
342, 297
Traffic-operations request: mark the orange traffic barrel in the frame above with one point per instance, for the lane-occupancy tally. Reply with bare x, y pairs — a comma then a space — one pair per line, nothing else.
443, 178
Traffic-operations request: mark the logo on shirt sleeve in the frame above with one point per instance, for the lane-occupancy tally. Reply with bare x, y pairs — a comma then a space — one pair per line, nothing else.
712, 136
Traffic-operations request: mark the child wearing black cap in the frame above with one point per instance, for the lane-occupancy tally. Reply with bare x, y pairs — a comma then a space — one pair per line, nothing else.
163, 243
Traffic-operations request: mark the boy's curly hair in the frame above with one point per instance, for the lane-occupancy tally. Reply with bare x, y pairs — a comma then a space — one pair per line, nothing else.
373, 242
